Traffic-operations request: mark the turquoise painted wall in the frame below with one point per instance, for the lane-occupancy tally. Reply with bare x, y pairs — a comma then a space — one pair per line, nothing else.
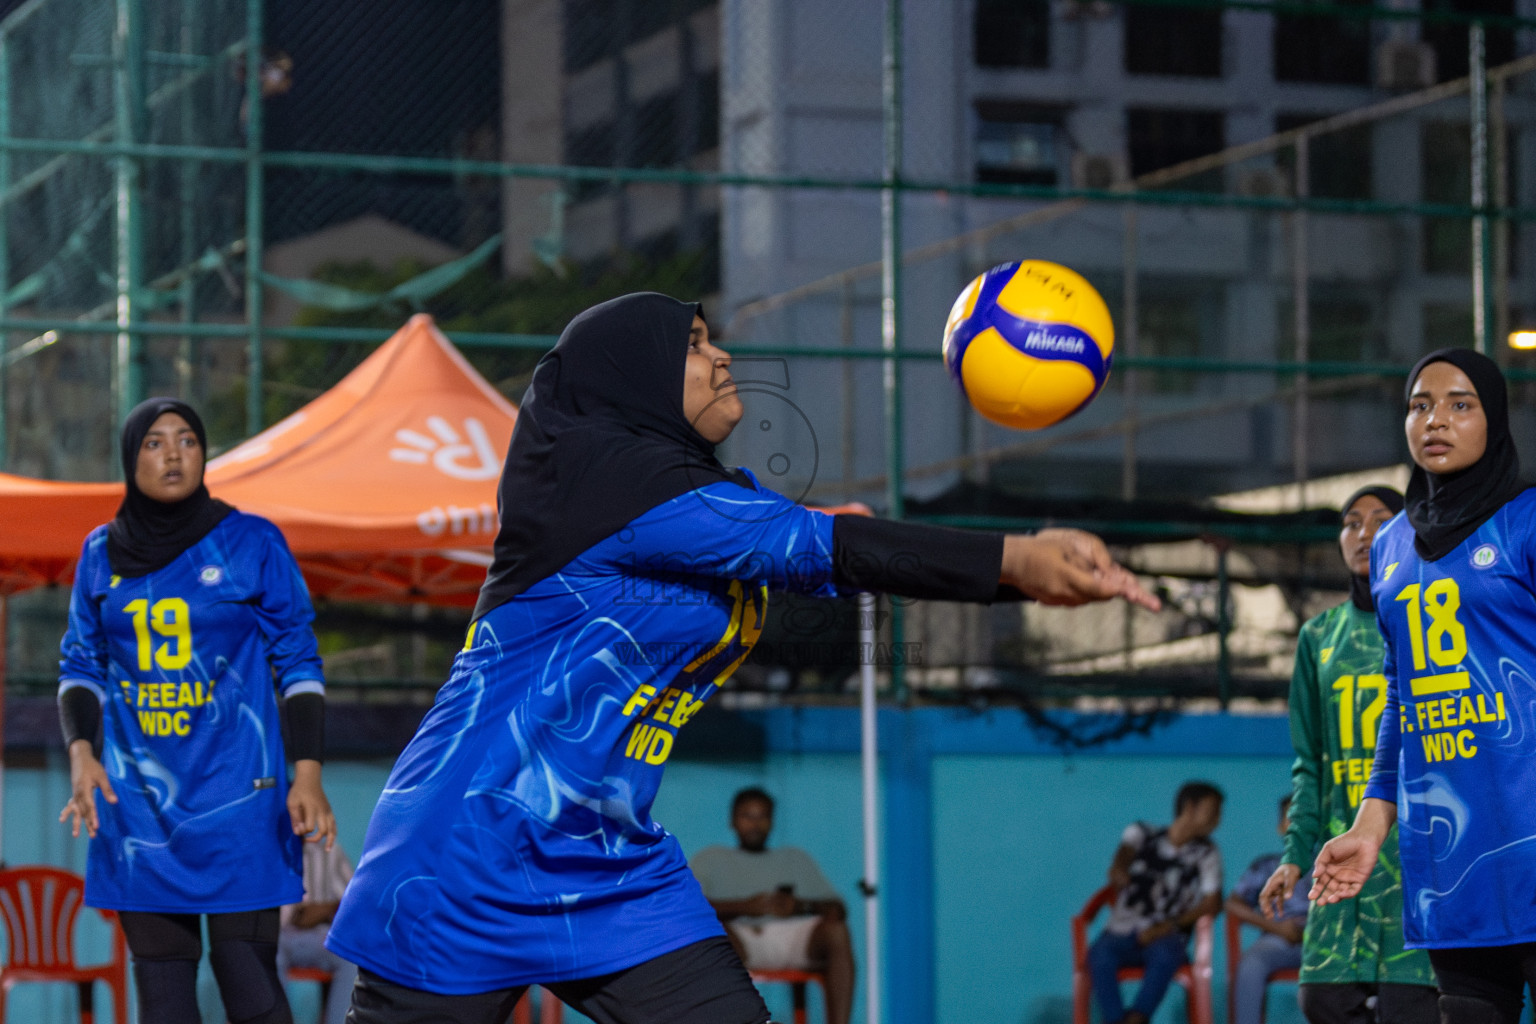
1020, 836
1021, 842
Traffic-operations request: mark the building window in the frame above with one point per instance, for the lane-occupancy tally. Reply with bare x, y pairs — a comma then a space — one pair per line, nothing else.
1162, 138
590, 147
1338, 164
1017, 144
1013, 33
1164, 41
647, 17
706, 110
1445, 151
1317, 48
1449, 39
1341, 329
1447, 325
656, 132
589, 32
1178, 319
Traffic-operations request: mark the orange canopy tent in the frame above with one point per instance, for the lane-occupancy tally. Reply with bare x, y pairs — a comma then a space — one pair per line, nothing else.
385, 486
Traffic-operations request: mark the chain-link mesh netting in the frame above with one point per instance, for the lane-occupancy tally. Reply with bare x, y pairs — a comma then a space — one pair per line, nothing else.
1301, 229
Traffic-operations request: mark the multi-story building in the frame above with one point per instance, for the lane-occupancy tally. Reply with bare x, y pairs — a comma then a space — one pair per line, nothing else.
611, 83
1069, 93
1075, 93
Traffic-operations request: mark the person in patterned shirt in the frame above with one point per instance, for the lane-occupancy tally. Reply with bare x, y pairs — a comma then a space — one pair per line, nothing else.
1352, 950
1168, 878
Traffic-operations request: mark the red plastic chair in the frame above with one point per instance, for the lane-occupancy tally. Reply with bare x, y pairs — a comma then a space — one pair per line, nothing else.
40, 906
1194, 977
796, 980
1234, 954
551, 1010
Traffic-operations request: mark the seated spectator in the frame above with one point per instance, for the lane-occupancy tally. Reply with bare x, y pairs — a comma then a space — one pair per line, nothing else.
1279, 947
779, 910
301, 943
1168, 878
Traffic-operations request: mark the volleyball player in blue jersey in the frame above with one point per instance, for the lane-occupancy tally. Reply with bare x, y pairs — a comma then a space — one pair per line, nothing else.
1454, 583
184, 613
513, 843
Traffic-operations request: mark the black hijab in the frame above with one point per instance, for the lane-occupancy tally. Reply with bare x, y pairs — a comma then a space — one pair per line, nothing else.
1360, 586
1445, 508
147, 534
601, 438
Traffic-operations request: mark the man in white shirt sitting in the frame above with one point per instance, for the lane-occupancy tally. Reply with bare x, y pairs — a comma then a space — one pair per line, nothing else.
778, 908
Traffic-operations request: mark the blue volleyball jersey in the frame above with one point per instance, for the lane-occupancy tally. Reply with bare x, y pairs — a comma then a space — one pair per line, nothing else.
184, 662
1457, 746
513, 842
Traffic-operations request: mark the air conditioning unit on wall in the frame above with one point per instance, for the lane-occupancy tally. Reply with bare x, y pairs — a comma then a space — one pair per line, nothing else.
1098, 170
1404, 65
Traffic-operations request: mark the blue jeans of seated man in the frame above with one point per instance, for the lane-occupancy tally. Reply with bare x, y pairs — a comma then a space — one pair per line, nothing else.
1268, 954
1160, 961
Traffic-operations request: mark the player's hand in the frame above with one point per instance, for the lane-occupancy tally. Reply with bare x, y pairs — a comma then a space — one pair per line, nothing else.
1152, 932
307, 806
86, 776
1119, 877
1069, 567
1343, 865
1278, 889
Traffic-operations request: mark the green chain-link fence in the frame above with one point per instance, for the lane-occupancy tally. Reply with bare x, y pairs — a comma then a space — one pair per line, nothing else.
1284, 205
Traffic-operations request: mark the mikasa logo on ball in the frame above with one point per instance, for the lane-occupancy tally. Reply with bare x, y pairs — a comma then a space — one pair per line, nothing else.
1049, 341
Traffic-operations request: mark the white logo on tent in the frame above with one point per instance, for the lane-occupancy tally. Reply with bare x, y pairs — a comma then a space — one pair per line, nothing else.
473, 459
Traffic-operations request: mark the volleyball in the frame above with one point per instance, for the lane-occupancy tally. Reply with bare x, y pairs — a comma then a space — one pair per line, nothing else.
1029, 343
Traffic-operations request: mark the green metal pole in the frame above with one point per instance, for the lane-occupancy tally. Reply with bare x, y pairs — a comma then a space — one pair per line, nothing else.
189, 170
1482, 238
128, 97
5, 248
890, 304
254, 209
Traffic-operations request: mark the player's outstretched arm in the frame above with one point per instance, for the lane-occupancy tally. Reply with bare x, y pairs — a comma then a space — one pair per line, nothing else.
1346, 861
1069, 567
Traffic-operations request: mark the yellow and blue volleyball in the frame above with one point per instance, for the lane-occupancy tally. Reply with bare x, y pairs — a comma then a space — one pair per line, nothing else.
1029, 343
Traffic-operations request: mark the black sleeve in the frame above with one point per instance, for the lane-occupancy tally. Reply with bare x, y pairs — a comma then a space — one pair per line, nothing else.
934, 563
305, 713
79, 715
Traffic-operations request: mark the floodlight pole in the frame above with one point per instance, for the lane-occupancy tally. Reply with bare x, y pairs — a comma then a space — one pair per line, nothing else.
1482, 239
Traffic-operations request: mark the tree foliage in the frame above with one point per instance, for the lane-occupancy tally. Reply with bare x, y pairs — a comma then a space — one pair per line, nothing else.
542, 304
